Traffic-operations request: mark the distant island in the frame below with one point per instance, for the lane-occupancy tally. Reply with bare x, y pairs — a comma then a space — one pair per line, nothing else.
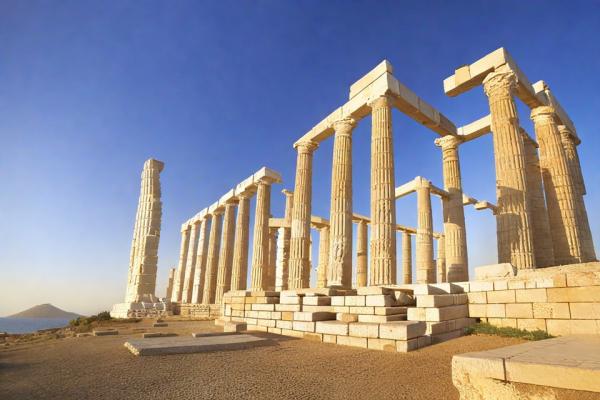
45, 311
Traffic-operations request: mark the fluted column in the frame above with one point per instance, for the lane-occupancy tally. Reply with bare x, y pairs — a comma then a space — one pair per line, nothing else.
515, 237
170, 283
226, 252
362, 246
188, 280
542, 239
201, 255
212, 258
562, 199
283, 244
457, 263
441, 260
289, 205
271, 270
324, 248
424, 245
406, 258
239, 270
299, 270
383, 201
260, 249
180, 275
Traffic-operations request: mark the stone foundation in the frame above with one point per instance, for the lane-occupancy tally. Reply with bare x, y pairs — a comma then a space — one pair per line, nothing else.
198, 311
141, 310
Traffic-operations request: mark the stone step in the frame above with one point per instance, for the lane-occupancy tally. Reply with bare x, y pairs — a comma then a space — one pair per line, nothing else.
437, 288
364, 329
332, 327
441, 300
437, 314
231, 326
402, 330
313, 316
434, 328
306, 308
390, 310
316, 301
381, 318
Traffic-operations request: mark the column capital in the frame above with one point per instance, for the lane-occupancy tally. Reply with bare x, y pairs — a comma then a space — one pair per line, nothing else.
344, 126
306, 146
543, 114
218, 211
448, 142
287, 193
380, 101
501, 80
421, 182
567, 135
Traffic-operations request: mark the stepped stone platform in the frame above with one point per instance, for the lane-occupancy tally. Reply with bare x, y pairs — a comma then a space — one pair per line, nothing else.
182, 345
569, 362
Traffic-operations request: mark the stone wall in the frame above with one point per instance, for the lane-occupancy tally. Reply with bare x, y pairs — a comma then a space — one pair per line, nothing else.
198, 311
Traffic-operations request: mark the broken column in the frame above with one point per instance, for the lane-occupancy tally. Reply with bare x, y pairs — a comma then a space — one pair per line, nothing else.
212, 258
226, 253
362, 246
424, 244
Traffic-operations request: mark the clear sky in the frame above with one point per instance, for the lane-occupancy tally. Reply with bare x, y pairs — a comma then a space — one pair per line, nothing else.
89, 90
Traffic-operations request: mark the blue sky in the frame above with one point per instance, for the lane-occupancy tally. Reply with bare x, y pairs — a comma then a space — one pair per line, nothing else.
89, 90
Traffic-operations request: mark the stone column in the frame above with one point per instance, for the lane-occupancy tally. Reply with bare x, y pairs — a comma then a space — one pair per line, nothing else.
457, 263
361, 253
188, 281
270, 275
515, 237
383, 201
441, 260
260, 250
324, 248
180, 275
226, 253
239, 273
574, 166
299, 270
542, 239
170, 283
289, 205
406, 258
212, 258
339, 268
562, 199
424, 245
201, 254
283, 243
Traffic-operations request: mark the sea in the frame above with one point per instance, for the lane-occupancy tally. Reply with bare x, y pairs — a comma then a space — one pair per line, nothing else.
27, 325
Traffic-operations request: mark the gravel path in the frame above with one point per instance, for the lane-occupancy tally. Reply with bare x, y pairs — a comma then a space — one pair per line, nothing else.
101, 368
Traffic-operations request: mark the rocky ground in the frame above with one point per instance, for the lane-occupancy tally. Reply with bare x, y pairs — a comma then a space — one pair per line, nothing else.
288, 368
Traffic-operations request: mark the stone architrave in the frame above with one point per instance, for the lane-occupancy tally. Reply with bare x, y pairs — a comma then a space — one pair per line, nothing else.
382, 270
424, 244
324, 248
170, 282
457, 265
299, 268
362, 246
406, 258
542, 239
239, 271
514, 230
190, 270
339, 268
260, 249
201, 255
212, 258
226, 252
180, 274
441, 260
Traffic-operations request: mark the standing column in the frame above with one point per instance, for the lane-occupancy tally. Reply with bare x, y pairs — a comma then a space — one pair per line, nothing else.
212, 258
441, 260
226, 253
180, 276
542, 239
188, 281
574, 166
260, 250
561, 193
425, 265
339, 269
270, 275
299, 270
170, 283
361, 253
383, 200
283, 243
239, 271
201, 254
406, 258
515, 237
457, 263
324, 248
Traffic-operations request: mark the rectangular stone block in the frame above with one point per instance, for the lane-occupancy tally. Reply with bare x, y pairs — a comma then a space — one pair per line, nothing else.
329, 339
287, 315
531, 324
379, 300
564, 327
481, 286
477, 297
552, 310
446, 313
340, 309
352, 341
338, 300
381, 344
442, 337
477, 310
416, 314
363, 329
362, 310
306, 308
292, 333
313, 316
316, 301
583, 278
288, 307
404, 346
276, 331
264, 315
389, 310
590, 294
290, 300
501, 285
532, 296
304, 326
519, 310
495, 311
263, 307
283, 324
269, 323
402, 330
583, 310
356, 301
501, 296
315, 337
516, 284
332, 327
346, 317
379, 319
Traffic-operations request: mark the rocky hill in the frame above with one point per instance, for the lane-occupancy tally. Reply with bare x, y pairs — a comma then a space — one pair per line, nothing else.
45, 311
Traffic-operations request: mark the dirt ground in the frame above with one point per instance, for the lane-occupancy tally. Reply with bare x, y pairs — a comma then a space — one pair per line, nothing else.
287, 368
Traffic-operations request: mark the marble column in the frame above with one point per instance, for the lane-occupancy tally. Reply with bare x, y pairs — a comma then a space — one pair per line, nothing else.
260, 249
339, 268
299, 269
289, 205
212, 258
180, 275
382, 270
542, 239
424, 244
441, 260
283, 243
514, 230
201, 254
562, 199
362, 246
406, 258
170, 283
239, 270
226, 253
324, 248
271, 271
188, 280
457, 263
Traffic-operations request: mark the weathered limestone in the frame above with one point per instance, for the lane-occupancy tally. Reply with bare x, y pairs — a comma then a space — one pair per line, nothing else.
170, 282
180, 275
515, 241
283, 244
441, 260
362, 247
324, 249
383, 202
457, 266
406, 258
212, 258
299, 269
226, 253
270, 275
424, 244
260, 249
201, 255
339, 269
542, 239
188, 280
239, 270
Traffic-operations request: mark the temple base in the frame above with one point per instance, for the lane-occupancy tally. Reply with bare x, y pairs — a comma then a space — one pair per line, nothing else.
141, 310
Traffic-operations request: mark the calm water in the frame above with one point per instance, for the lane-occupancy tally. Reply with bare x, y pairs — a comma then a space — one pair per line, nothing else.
24, 325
